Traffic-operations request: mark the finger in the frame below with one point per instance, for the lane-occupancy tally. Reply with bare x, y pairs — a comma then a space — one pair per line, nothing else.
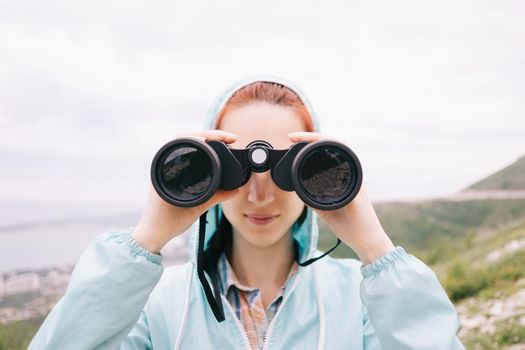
304, 136
217, 135
220, 135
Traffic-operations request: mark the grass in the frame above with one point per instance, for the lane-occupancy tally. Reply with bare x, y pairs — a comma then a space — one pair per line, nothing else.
466, 280
506, 332
421, 225
17, 335
439, 231
454, 238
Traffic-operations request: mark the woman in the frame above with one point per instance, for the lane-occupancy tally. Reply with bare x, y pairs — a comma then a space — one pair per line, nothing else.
120, 297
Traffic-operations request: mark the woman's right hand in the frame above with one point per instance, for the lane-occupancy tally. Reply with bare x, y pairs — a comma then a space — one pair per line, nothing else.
162, 221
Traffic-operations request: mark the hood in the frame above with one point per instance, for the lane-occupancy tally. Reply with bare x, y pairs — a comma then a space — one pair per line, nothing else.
307, 234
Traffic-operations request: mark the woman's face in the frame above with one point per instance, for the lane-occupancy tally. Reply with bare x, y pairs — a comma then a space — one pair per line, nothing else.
262, 213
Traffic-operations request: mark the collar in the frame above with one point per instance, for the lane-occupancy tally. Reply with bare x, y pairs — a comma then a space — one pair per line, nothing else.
228, 278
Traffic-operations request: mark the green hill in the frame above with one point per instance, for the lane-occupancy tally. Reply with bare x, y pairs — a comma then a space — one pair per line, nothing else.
428, 227
476, 248
437, 230
508, 178
440, 229
478, 260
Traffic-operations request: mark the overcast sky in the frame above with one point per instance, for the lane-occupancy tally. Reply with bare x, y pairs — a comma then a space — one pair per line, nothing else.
430, 95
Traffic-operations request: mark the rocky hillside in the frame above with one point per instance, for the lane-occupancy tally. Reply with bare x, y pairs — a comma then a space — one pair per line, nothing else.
476, 246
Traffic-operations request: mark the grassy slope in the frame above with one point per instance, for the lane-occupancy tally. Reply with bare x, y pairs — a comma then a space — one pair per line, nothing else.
455, 239
438, 230
446, 234
17, 335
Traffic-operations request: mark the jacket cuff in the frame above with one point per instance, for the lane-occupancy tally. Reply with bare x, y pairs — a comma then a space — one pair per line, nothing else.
138, 250
383, 262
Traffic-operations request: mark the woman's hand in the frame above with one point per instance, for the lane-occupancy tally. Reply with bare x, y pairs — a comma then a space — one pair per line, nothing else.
162, 221
356, 224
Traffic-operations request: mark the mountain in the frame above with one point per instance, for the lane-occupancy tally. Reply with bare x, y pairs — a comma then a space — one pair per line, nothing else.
509, 178
475, 242
426, 227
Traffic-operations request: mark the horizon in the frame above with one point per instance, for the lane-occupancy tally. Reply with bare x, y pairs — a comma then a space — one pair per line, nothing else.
13, 214
428, 95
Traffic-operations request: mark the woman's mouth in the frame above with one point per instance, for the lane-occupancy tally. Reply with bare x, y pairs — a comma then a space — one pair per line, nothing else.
260, 219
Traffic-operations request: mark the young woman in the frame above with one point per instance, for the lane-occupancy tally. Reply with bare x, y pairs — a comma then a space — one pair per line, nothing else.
121, 297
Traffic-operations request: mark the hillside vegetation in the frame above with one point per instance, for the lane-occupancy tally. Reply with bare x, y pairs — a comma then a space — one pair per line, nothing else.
439, 230
476, 248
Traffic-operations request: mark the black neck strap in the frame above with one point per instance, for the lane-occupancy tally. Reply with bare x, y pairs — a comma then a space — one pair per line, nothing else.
214, 301
312, 260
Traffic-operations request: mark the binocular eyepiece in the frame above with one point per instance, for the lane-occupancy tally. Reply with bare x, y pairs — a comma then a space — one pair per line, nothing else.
325, 174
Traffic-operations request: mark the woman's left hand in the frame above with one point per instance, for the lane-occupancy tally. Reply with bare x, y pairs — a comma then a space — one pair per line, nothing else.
356, 224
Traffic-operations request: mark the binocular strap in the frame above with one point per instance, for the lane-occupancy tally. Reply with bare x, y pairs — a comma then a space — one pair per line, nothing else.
309, 261
215, 301
215, 304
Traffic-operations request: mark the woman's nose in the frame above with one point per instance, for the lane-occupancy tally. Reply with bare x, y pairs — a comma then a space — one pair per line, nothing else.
261, 188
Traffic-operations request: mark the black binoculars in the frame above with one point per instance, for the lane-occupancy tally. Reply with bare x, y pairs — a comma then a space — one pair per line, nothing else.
325, 174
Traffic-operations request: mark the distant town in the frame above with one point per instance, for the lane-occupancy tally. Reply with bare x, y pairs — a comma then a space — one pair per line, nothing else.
31, 293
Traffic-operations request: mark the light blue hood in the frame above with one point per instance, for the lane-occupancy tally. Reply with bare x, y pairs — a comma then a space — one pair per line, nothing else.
307, 234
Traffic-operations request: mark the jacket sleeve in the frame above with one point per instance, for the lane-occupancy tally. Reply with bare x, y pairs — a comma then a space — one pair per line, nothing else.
105, 297
406, 305
369, 334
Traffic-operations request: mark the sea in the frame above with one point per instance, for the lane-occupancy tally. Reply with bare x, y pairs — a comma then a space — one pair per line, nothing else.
37, 235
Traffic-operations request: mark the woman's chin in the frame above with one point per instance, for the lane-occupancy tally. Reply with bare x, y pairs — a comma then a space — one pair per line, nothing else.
261, 242
262, 235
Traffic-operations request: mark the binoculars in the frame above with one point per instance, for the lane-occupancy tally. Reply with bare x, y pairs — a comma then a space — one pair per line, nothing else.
325, 174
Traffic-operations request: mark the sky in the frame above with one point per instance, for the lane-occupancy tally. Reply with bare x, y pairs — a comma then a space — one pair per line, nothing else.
430, 95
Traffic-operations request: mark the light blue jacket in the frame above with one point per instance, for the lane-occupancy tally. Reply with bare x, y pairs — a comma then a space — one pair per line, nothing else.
120, 297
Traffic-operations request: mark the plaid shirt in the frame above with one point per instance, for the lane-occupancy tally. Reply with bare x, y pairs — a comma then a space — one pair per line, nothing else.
247, 302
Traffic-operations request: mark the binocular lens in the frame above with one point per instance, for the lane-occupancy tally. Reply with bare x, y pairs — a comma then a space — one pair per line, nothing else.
325, 175
186, 173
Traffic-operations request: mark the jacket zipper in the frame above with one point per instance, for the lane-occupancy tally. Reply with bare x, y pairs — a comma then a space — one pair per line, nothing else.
238, 322
270, 326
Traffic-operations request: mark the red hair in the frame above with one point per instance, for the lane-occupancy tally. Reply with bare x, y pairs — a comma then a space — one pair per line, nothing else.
268, 92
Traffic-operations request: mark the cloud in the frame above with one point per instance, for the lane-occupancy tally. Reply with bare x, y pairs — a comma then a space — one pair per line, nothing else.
414, 87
